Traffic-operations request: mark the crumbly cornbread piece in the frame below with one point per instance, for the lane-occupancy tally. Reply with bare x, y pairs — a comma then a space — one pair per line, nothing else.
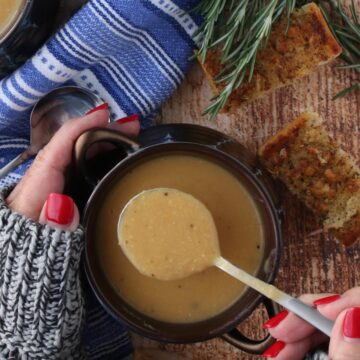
318, 172
286, 57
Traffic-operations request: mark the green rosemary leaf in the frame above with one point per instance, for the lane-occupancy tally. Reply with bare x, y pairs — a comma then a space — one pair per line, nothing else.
346, 29
351, 66
344, 92
211, 10
353, 13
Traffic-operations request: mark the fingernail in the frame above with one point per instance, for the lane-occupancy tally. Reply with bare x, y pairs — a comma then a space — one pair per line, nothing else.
127, 119
59, 209
274, 349
103, 106
351, 326
276, 320
326, 300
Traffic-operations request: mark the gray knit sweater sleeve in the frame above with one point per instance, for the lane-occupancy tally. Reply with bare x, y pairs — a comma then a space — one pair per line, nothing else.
41, 304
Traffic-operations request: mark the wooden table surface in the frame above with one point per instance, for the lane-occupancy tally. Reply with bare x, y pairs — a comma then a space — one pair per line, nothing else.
310, 263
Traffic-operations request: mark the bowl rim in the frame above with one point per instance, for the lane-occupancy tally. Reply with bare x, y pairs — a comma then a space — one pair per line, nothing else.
145, 330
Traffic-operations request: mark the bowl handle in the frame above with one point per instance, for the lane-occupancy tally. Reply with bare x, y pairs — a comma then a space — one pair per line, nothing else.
97, 135
257, 347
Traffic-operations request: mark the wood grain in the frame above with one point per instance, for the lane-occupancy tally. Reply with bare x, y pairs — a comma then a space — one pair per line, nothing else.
310, 263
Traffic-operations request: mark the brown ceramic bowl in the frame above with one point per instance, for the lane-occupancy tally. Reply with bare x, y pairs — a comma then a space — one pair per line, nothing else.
217, 147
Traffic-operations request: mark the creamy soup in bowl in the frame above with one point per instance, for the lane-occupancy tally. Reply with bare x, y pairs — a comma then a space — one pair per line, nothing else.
223, 176
238, 223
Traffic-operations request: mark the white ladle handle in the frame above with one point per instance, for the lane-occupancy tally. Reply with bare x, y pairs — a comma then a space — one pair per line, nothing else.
15, 163
304, 311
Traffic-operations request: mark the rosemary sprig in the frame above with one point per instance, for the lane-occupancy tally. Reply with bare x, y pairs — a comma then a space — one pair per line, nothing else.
239, 28
346, 29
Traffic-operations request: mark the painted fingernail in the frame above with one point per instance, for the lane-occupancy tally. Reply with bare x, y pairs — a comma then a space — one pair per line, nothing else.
274, 349
276, 320
103, 106
351, 325
128, 119
326, 300
59, 209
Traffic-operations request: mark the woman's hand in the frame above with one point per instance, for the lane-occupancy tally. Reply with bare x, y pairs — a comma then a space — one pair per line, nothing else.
38, 194
296, 337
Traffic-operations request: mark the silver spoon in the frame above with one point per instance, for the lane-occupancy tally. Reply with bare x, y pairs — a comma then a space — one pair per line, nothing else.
175, 252
49, 114
301, 309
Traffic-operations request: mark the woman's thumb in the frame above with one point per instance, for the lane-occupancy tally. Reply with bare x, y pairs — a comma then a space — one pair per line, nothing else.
345, 337
61, 212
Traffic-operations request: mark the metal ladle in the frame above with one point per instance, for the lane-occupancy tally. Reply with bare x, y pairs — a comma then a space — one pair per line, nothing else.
49, 114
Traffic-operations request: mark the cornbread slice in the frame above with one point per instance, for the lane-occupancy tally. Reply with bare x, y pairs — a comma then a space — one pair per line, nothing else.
318, 172
286, 57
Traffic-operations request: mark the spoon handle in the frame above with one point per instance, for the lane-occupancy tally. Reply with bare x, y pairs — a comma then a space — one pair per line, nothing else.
304, 311
15, 162
309, 314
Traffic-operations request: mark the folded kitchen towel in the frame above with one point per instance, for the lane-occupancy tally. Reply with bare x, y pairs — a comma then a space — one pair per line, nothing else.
133, 54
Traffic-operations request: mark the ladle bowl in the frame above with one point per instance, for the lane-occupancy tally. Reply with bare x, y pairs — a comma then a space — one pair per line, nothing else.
185, 255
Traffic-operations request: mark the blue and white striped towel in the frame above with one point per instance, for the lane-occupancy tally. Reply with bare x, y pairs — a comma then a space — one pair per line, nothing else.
133, 53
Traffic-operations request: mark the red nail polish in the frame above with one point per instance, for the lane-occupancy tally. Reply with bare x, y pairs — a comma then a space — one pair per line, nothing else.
59, 209
325, 300
274, 349
127, 119
276, 320
103, 106
351, 326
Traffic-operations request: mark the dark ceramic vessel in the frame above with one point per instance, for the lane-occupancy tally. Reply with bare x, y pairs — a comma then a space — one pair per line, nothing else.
27, 33
201, 142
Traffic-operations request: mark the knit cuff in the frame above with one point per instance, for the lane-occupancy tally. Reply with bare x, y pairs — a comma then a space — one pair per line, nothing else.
41, 304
